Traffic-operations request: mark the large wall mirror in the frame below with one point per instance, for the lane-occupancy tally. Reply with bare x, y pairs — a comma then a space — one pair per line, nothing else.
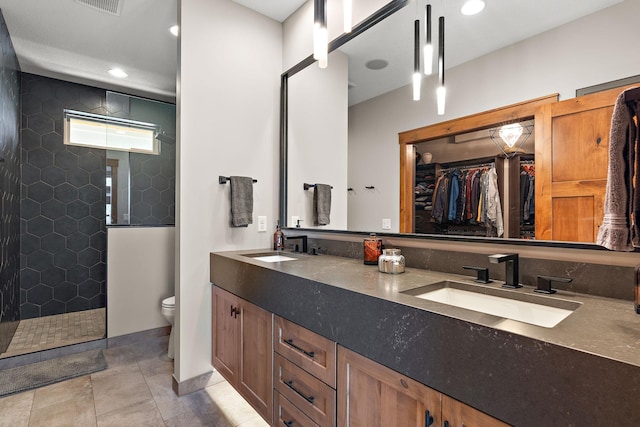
342, 124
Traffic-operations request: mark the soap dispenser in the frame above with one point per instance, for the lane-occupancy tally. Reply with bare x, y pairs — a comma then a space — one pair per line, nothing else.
278, 238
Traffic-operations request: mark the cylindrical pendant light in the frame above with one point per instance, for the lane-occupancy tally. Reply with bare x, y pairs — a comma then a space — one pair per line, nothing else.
428, 46
417, 77
441, 92
347, 14
320, 36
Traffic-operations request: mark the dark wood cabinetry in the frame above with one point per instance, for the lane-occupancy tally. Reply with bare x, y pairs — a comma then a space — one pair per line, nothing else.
304, 373
306, 380
242, 350
372, 395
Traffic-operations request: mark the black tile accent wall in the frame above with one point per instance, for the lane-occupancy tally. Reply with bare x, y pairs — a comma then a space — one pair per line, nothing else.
63, 231
9, 188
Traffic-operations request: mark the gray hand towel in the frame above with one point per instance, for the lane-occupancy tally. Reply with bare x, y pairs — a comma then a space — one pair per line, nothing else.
241, 201
322, 204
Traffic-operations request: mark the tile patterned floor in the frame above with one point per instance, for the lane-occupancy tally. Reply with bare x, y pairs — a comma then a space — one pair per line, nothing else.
48, 332
134, 391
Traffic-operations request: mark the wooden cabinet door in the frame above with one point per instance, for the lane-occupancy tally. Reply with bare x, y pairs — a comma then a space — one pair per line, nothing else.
225, 334
242, 349
371, 395
457, 414
255, 381
572, 155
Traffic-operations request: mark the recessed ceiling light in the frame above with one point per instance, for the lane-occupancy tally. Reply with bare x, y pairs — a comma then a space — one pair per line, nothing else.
472, 7
175, 30
376, 64
118, 72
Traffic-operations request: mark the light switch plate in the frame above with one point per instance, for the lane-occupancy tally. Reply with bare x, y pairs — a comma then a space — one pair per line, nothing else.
262, 223
386, 224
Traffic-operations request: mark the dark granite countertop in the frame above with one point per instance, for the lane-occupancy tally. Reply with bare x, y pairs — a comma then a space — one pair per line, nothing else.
584, 371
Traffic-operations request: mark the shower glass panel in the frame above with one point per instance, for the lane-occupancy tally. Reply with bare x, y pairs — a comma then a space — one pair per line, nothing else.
145, 190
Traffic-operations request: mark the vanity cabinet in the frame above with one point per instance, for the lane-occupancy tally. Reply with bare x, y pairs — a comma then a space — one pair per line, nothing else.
304, 372
371, 395
242, 348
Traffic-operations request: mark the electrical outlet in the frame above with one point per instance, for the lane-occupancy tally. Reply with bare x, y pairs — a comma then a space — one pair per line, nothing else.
262, 223
294, 220
386, 224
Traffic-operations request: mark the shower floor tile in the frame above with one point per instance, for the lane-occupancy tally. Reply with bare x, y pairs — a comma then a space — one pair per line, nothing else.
59, 330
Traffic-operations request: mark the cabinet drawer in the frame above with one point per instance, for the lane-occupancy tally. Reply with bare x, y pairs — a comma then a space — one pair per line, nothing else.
310, 351
313, 397
286, 414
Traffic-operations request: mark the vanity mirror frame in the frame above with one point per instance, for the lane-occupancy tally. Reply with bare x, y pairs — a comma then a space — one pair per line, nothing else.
521, 111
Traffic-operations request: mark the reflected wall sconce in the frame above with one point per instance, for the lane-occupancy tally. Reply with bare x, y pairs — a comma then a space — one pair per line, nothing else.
417, 76
320, 34
428, 46
441, 92
511, 137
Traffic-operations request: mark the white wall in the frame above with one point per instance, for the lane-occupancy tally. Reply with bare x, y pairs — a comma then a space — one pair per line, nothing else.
318, 148
228, 118
140, 274
297, 28
592, 50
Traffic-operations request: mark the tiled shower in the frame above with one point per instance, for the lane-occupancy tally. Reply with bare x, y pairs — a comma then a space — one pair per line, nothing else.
53, 195
63, 231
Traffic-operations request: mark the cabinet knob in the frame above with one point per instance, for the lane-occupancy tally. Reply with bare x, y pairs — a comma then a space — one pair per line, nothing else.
288, 423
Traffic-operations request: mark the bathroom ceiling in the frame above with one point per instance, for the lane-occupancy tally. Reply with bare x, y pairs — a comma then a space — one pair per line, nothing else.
274, 9
69, 40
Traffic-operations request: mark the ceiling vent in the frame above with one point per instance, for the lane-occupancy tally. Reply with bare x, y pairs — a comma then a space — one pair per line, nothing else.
112, 7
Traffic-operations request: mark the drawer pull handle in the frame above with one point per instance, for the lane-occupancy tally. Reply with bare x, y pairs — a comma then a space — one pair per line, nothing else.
309, 399
300, 349
428, 419
288, 423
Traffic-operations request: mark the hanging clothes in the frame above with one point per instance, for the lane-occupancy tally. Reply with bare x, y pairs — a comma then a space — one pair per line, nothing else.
468, 197
493, 209
527, 194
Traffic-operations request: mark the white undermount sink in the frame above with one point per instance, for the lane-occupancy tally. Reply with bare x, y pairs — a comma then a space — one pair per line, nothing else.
271, 257
515, 305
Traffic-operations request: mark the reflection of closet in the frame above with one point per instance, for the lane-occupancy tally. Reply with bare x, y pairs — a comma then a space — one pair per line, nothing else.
489, 119
516, 186
463, 223
425, 182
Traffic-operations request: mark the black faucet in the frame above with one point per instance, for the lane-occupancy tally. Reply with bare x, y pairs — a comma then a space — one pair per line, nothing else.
304, 242
512, 274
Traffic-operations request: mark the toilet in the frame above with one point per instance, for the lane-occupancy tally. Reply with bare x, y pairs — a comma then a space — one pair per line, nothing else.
168, 311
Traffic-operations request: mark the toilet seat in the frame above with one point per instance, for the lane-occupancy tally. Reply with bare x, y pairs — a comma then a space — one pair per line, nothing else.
169, 302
